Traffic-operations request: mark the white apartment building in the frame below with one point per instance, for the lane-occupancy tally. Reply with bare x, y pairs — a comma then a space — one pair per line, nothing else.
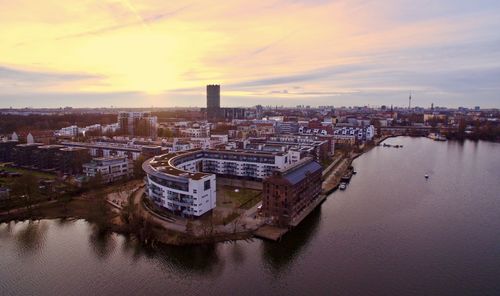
70, 131
110, 168
354, 133
196, 131
184, 183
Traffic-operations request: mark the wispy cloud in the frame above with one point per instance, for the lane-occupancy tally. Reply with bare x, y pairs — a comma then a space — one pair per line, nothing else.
14, 74
141, 21
277, 52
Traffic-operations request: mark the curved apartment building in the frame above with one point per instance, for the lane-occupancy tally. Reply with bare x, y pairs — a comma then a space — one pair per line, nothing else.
184, 182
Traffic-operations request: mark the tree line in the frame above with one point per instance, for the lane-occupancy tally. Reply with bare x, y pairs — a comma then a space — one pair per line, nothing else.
15, 123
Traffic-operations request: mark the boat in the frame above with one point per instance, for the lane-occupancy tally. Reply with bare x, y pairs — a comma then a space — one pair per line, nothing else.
346, 178
354, 172
426, 176
342, 186
437, 137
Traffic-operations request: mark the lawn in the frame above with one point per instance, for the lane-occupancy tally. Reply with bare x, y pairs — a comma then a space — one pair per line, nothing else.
244, 198
41, 175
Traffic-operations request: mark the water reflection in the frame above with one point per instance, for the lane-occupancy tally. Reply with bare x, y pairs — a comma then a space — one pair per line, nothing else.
64, 222
200, 260
6, 230
102, 243
30, 238
132, 247
238, 252
280, 256
391, 233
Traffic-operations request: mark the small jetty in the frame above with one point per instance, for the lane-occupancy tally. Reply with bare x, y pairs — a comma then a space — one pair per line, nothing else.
270, 232
274, 233
389, 145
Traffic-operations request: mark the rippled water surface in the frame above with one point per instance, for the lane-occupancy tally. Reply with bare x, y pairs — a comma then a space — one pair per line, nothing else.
392, 232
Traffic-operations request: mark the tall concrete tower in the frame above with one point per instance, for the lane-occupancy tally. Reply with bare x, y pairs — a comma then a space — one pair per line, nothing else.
213, 102
409, 102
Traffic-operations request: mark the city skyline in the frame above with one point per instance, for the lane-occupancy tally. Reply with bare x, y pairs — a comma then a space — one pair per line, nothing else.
140, 54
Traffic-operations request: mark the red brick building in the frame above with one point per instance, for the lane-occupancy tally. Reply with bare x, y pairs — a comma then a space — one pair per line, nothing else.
287, 192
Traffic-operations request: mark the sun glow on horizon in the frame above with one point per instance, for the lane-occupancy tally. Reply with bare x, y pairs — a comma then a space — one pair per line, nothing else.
316, 50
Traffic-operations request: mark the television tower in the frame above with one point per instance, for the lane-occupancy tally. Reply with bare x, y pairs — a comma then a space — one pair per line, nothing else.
409, 101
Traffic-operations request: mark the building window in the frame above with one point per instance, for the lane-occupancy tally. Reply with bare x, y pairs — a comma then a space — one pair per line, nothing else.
207, 184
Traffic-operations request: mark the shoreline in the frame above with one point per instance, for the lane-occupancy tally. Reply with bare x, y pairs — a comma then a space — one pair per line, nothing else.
150, 230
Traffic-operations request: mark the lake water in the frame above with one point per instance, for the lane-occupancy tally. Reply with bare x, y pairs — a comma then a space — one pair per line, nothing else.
392, 232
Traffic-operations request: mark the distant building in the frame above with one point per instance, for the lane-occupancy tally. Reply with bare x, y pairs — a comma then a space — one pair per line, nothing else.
138, 124
213, 103
25, 155
232, 113
103, 149
353, 134
288, 191
287, 127
7, 150
47, 157
195, 131
109, 168
70, 131
71, 160
30, 139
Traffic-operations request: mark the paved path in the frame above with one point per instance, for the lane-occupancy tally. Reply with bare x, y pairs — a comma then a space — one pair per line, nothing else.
136, 199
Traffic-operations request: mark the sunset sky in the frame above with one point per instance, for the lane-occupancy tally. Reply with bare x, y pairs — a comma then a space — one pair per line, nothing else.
131, 53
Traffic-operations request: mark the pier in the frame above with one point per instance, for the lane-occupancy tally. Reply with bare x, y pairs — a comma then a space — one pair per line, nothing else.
274, 233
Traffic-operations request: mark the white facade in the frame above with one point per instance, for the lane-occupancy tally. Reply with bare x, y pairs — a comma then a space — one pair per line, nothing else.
30, 139
70, 131
110, 128
110, 168
354, 133
196, 131
103, 149
176, 183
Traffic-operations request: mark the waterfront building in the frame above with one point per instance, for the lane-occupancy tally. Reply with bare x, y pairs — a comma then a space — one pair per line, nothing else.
298, 146
353, 134
110, 169
184, 182
290, 190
